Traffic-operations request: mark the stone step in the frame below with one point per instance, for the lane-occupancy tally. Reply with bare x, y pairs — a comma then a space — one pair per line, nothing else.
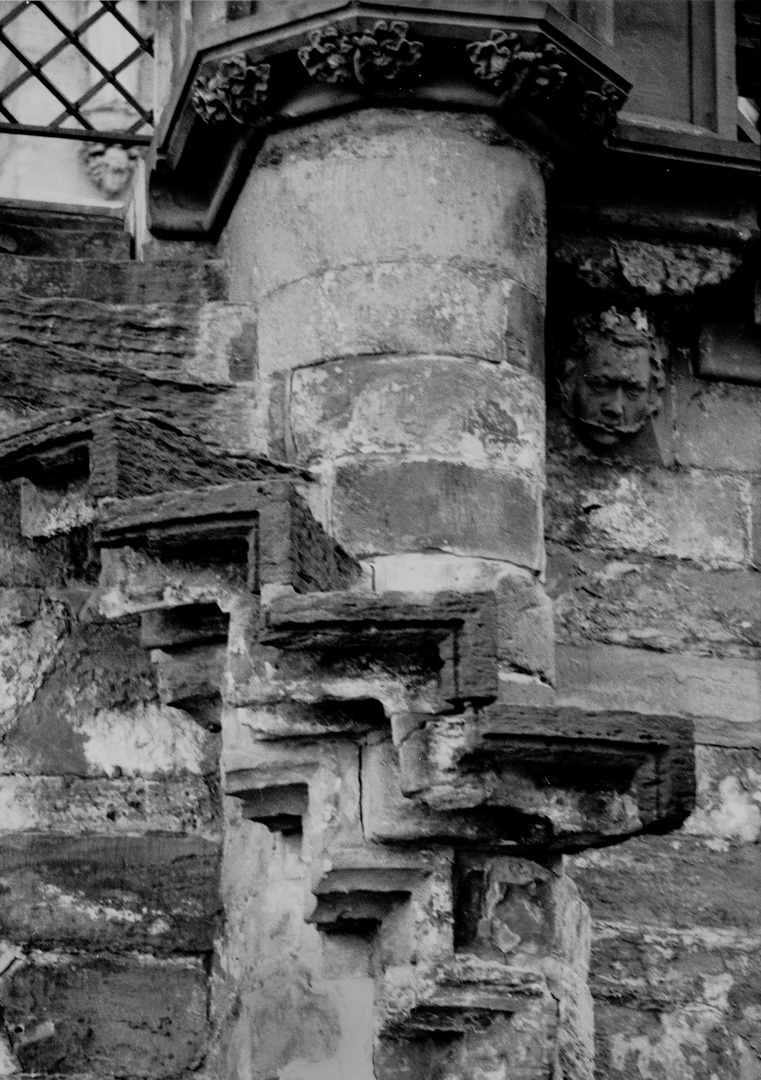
153, 338
47, 230
104, 281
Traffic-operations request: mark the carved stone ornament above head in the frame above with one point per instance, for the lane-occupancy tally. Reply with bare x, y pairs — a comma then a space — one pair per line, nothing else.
539, 74
230, 89
612, 377
372, 58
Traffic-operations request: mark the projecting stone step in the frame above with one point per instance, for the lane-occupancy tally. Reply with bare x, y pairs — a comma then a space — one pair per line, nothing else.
110, 282
42, 230
155, 338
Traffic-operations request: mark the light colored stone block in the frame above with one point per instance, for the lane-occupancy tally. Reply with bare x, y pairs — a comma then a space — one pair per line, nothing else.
526, 639
688, 515
382, 507
432, 571
729, 795
722, 696
461, 410
405, 307
718, 426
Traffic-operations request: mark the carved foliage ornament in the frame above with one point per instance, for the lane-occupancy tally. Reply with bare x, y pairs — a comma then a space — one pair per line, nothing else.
383, 55
612, 377
230, 89
600, 107
503, 61
540, 75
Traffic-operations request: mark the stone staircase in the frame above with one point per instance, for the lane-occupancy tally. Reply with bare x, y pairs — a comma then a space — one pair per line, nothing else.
69, 278
85, 325
108, 865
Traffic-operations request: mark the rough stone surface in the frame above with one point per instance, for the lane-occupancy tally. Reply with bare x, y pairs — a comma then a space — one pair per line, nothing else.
674, 958
114, 282
431, 505
405, 185
78, 806
721, 696
386, 332
756, 524
96, 714
681, 881
151, 893
444, 408
526, 639
697, 515
393, 309
140, 1016
717, 426
109, 811
153, 338
662, 605
642, 267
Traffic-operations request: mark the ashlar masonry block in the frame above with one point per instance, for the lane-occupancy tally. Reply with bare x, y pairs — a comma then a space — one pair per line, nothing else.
397, 262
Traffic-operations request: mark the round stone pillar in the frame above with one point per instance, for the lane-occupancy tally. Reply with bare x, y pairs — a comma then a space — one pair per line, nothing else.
396, 259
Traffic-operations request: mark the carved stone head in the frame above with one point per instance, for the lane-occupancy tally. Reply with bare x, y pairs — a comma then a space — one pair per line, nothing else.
612, 378
110, 167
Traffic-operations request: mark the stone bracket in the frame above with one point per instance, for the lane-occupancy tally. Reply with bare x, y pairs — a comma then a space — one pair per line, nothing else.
456, 996
264, 526
461, 627
585, 778
202, 548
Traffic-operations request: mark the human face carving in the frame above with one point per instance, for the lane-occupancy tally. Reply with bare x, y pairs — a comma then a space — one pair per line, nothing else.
614, 391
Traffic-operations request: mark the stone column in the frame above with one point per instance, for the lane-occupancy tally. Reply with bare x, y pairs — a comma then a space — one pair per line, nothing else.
397, 262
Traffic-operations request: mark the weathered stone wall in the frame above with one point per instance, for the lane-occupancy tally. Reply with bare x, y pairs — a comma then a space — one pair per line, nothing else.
653, 560
110, 818
110, 822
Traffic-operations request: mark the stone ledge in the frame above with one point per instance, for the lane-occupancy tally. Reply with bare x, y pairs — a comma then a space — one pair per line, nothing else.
722, 697
582, 778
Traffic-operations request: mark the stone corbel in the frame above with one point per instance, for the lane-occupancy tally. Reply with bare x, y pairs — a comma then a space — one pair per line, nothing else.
464, 994
582, 778
402, 898
526, 63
